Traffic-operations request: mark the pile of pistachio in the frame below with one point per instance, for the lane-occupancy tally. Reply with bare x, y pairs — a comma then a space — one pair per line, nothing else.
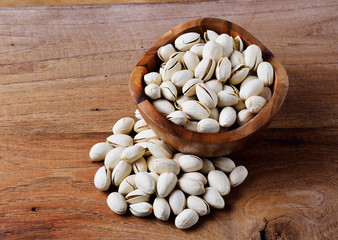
151, 177
211, 84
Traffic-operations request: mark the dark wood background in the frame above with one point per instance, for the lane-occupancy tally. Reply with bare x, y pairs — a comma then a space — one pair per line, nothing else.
64, 81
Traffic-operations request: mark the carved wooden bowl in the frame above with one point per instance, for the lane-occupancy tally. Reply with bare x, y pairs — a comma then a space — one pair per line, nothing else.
206, 144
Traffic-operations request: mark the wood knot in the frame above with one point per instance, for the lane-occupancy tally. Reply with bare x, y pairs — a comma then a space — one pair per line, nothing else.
34, 209
95, 109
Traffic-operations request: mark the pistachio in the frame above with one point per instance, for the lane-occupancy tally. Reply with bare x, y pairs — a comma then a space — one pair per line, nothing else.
141, 125
207, 166
177, 201
150, 161
120, 140
99, 151
199, 205
230, 88
177, 156
141, 209
238, 74
187, 40
214, 85
189, 88
251, 88
208, 125
198, 49
227, 117
190, 163
266, 93
161, 165
224, 164
140, 165
238, 175
117, 203
255, 104
161, 208
205, 69
120, 172
163, 106
206, 96
181, 77
127, 185
178, 117
223, 69
155, 176
196, 110
210, 35
212, 50
102, 179
124, 125
186, 219
137, 196
181, 99
226, 99
138, 114
152, 91
166, 183
132, 153
165, 52
240, 105
238, 44
265, 73
190, 61
177, 55
214, 114
191, 126
218, 180
227, 44
191, 186
236, 58
145, 146
145, 182
253, 56
152, 78
196, 176
248, 79
213, 197
113, 157
172, 66
244, 116
159, 149
169, 91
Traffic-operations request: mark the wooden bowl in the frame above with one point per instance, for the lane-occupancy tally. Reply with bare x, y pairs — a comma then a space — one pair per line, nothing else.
205, 144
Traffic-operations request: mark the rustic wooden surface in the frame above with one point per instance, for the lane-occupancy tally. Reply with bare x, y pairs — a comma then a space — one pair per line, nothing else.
64, 81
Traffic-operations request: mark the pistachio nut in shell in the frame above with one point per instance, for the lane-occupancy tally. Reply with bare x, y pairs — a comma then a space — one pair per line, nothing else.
213, 197
127, 185
191, 126
212, 50
214, 113
181, 77
177, 55
124, 125
265, 73
198, 49
195, 175
102, 179
140, 165
163, 106
251, 88
230, 88
132, 153
207, 166
137, 196
238, 175
266, 93
190, 163
227, 44
253, 56
238, 74
145, 182
161, 208
141, 209
208, 125
191, 186
120, 140
226, 99
186, 41
145, 146
162, 165
206, 96
195, 109
227, 117
141, 125
152, 91
236, 58
165, 51
223, 69
190, 60
199, 205
178, 117
117, 203
177, 201
255, 104
168, 91
159, 149
152, 77
181, 99
210, 35
238, 44
240, 105
224, 164
99, 151
186, 219
172, 66
166, 183
244, 116
120, 172
214, 85
155, 176
189, 88
113, 157
218, 180
138, 114
205, 69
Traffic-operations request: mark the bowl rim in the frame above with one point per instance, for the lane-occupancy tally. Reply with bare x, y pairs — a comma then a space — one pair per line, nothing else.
262, 119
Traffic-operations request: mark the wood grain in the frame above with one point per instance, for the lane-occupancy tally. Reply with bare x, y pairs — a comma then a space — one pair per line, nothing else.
64, 82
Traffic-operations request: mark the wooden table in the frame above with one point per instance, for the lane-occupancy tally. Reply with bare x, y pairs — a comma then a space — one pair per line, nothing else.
64, 81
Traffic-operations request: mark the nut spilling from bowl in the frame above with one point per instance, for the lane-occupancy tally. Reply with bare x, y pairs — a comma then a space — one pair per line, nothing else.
175, 183
210, 85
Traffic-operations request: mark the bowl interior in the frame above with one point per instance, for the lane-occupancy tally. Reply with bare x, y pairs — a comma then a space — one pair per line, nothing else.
195, 142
